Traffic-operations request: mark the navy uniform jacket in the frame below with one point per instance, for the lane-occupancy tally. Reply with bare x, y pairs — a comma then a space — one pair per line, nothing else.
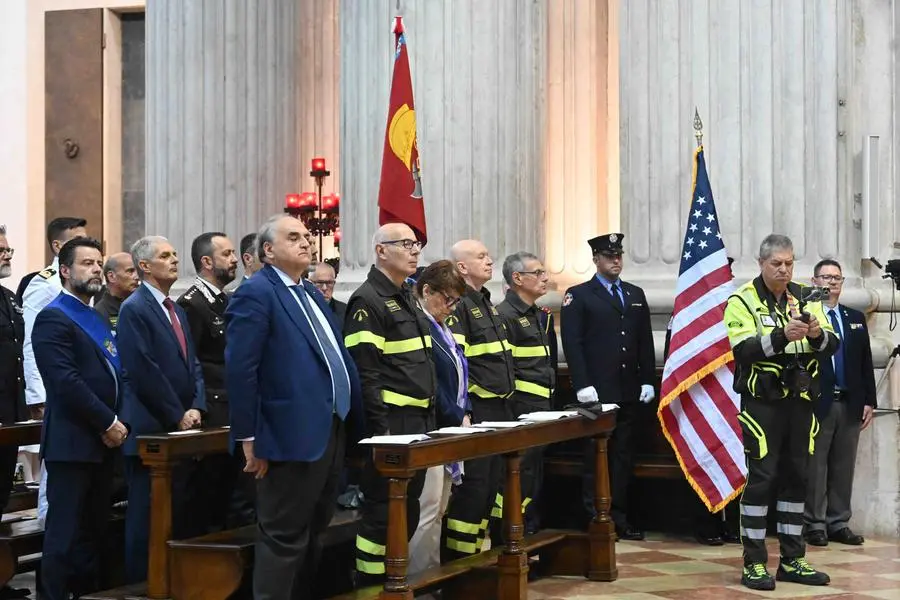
12, 377
858, 368
206, 319
605, 346
163, 385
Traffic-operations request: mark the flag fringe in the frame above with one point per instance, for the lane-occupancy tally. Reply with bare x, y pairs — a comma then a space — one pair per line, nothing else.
664, 404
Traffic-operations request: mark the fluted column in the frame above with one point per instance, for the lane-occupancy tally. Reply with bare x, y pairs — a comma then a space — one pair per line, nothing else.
478, 73
582, 195
222, 115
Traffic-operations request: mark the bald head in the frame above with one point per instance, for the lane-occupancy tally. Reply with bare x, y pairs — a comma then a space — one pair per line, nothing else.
396, 251
473, 261
121, 274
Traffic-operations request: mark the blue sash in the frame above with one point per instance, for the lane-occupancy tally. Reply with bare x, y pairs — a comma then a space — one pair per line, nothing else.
90, 322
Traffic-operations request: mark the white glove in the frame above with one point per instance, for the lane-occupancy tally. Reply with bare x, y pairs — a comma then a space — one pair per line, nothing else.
586, 395
647, 394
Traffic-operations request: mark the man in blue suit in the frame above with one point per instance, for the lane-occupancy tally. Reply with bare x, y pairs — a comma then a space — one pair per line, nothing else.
291, 385
845, 407
165, 392
76, 355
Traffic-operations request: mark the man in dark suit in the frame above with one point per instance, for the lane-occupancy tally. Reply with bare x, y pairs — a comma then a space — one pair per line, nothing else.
204, 303
121, 280
249, 258
845, 407
324, 278
166, 392
12, 382
608, 343
76, 354
291, 384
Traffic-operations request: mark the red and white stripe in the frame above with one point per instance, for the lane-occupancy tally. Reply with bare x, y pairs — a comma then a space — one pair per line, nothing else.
697, 411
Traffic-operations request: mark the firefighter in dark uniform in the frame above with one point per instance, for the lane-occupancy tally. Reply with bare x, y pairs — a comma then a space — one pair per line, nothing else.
478, 328
121, 279
215, 262
389, 338
534, 367
608, 343
12, 382
778, 334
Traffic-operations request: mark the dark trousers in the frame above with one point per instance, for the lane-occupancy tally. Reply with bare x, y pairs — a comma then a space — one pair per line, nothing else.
295, 502
621, 466
78, 497
831, 471
186, 520
8, 458
777, 443
371, 537
225, 503
468, 514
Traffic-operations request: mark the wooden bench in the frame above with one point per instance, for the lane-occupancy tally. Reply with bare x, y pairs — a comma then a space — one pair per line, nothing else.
503, 572
218, 565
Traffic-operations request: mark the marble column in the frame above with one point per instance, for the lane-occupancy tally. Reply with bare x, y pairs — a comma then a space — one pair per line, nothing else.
478, 72
222, 115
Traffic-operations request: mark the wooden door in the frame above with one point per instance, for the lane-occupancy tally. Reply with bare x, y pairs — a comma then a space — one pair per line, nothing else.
73, 94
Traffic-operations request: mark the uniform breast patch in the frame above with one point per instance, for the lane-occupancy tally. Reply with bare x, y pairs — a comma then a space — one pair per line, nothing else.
476, 312
392, 305
523, 321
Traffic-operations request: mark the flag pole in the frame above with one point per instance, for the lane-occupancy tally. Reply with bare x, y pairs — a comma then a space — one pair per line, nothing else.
698, 127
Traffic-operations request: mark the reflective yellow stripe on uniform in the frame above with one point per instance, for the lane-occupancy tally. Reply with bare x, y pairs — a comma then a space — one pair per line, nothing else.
757, 432
485, 348
461, 340
497, 510
813, 432
464, 547
370, 567
462, 526
529, 351
532, 388
389, 397
410, 345
483, 393
364, 337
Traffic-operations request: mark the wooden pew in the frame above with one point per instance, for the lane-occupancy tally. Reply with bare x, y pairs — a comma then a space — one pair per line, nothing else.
23, 537
503, 572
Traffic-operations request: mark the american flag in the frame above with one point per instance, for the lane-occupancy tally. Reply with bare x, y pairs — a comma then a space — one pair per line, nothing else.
698, 406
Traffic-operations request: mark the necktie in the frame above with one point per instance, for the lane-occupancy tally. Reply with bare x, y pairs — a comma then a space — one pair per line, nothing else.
340, 381
617, 295
176, 327
839, 355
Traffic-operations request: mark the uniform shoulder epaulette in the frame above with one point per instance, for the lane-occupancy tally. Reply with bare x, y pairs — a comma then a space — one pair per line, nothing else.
47, 273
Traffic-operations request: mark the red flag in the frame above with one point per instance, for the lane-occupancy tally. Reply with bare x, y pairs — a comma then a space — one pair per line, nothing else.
400, 191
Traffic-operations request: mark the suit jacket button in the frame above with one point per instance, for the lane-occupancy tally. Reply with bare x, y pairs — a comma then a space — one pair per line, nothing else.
623, 349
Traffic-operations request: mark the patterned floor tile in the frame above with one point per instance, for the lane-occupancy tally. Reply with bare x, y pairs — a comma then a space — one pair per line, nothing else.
884, 594
688, 567
650, 556
792, 590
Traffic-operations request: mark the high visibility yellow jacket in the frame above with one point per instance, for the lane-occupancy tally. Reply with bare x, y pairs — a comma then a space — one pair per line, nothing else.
755, 320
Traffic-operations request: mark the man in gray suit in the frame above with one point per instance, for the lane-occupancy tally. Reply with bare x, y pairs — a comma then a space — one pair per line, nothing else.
844, 408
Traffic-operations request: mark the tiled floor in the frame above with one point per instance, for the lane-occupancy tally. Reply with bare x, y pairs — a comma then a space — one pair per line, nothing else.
665, 567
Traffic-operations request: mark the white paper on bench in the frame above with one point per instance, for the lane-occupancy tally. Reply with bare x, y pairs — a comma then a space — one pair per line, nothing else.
548, 415
456, 430
498, 424
609, 407
186, 432
404, 440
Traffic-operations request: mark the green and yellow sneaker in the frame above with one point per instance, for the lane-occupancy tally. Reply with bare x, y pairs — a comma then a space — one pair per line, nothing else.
797, 570
756, 577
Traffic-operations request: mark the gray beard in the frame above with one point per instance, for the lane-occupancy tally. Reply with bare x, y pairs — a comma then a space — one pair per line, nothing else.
85, 287
5, 271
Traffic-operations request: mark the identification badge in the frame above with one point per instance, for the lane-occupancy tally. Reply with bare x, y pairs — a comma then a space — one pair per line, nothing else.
476, 312
856, 325
768, 321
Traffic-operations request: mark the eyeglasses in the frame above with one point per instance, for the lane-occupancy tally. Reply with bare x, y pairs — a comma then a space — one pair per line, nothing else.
451, 302
539, 273
324, 284
407, 244
835, 278
9, 251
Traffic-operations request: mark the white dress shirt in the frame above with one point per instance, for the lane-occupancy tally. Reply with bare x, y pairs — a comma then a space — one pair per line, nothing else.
160, 298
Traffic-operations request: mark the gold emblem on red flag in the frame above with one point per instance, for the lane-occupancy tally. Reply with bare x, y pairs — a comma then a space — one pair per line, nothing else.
402, 134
